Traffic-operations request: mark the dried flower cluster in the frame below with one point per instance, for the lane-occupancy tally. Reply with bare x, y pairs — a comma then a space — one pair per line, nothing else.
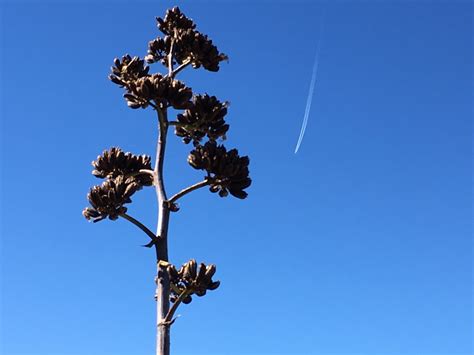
123, 178
108, 199
115, 162
143, 89
190, 280
127, 70
204, 117
228, 171
189, 45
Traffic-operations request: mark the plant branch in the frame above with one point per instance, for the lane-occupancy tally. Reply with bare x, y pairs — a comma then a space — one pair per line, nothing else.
175, 72
152, 105
188, 190
146, 171
141, 171
170, 60
181, 67
140, 225
169, 316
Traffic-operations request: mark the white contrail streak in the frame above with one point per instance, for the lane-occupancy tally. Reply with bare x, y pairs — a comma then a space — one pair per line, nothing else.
309, 100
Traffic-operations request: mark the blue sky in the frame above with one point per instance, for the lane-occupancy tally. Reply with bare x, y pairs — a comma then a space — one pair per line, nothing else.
359, 244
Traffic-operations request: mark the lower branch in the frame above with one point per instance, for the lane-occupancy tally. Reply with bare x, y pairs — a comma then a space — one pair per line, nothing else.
140, 225
169, 317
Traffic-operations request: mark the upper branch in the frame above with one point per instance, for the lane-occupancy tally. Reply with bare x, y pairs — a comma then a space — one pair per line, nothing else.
181, 67
189, 189
141, 171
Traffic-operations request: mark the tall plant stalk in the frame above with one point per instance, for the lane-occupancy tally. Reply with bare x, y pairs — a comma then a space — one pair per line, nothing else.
125, 173
162, 277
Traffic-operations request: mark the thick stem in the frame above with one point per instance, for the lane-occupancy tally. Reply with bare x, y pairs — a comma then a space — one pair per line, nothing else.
163, 283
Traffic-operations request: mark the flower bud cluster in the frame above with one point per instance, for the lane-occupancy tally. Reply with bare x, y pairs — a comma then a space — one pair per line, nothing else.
123, 178
188, 44
204, 117
191, 280
227, 171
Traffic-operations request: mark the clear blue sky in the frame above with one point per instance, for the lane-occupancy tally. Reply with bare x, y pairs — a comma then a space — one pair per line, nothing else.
359, 244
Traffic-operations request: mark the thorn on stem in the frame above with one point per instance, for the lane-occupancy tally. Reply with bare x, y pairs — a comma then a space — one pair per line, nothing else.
152, 242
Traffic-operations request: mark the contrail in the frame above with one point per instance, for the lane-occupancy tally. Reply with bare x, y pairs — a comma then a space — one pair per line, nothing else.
311, 90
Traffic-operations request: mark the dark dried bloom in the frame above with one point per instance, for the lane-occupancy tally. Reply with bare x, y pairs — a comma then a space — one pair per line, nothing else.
189, 45
128, 69
204, 117
198, 48
158, 50
227, 171
108, 199
192, 280
161, 89
114, 162
174, 20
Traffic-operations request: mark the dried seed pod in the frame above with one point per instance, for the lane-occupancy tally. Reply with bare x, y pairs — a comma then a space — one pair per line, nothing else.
92, 214
173, 273
187, 299
190, 270
210, 271
201, 273
173, 207
213, 285
200, 292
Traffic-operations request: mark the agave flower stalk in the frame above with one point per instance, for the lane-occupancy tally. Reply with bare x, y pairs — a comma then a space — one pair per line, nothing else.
163, 283
202, 119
